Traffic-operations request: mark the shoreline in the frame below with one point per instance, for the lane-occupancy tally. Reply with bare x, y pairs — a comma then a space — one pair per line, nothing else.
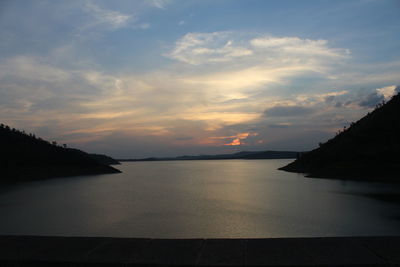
343, 176
151, 160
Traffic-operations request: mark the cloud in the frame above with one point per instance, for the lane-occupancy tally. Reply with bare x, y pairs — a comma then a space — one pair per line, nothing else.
106, 18
90, 109
158, 3
388, 91
202, 48
371, 100
184, 138
378, 96
231, 65
215, 108
235, 140
32, 68
144, 26
329, 99
298, 46
199, 48
209, 99
280, 125
362, 75
288, 111
86, 105
338, 104
37, 91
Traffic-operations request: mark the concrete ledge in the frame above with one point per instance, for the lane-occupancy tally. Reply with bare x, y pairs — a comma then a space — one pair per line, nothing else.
95, 251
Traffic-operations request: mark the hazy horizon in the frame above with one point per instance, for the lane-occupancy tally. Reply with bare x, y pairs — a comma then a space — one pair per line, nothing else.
135, 79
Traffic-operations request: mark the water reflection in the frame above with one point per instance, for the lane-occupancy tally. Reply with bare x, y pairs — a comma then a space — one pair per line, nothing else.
188, 199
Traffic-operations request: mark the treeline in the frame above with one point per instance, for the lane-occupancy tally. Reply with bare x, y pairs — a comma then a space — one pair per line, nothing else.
25, 156
7, 130
367, 149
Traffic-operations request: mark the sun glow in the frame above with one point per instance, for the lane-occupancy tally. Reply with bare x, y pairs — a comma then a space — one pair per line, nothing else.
234, 140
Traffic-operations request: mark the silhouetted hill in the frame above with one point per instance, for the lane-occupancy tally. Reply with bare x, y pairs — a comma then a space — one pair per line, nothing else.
26, 157
104, 159
368, 150
239, 155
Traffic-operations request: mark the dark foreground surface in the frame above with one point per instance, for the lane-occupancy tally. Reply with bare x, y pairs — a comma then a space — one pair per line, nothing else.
94, 251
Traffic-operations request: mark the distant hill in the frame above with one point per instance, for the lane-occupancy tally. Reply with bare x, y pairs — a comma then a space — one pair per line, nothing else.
239, 155
26, 157
368, 150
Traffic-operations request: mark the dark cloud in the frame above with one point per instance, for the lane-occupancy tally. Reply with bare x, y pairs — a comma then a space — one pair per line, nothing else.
278, 125
184, 138
348, 102
338, 105
371, 100
329, 99
301, 140
59, 103
397, 89
288, 111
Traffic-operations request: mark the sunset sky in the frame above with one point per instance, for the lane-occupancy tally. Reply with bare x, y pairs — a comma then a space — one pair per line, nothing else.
165, 78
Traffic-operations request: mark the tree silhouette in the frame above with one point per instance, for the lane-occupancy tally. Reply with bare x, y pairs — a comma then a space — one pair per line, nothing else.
25, 157
368, 149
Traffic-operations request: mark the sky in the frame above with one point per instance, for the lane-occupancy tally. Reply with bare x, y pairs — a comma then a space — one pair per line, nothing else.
144, 78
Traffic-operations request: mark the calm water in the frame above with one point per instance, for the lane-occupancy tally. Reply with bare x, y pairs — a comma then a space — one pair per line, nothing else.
193, 199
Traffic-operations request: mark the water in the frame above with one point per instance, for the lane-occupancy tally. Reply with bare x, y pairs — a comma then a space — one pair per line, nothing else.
198, 199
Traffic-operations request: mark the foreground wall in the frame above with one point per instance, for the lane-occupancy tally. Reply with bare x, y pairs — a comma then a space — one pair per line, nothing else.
93, 251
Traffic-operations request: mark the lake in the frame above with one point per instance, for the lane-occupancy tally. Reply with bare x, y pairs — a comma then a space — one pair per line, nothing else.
199, 199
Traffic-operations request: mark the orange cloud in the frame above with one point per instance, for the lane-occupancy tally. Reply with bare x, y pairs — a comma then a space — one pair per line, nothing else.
235, 142
237, 139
